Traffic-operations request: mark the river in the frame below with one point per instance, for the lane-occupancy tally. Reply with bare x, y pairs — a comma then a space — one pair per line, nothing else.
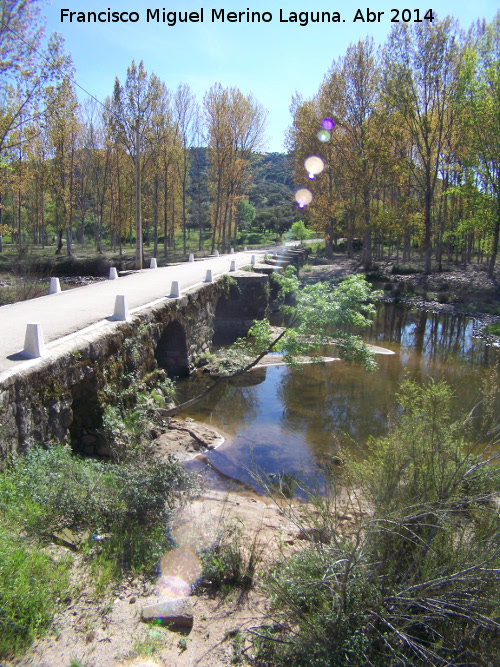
276, 419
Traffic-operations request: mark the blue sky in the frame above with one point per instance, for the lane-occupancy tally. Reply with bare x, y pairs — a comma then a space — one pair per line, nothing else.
270, 60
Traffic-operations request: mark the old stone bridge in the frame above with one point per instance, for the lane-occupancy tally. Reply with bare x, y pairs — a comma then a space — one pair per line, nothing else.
57, 397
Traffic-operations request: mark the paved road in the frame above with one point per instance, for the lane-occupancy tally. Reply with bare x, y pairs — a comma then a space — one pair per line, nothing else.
68, 312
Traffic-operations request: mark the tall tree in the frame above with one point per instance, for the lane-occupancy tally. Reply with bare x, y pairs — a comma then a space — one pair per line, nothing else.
235, 126
26, 67
186, 112
352, 157
63, 127
481, 114
130, 111
421, 81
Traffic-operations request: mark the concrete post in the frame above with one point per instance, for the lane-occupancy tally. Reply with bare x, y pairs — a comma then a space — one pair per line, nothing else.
175, 292
245, 249
252, 261
210, 276
152, 263
113, 273
34, 346
121, 308
233, 266
231, 251
191, 257
55, 286
216, 253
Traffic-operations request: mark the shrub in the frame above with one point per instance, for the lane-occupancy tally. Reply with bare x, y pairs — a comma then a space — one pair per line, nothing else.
233, 559
414, 582
51, 490
405, 269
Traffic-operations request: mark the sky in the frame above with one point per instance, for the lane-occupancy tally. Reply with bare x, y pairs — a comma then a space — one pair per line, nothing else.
272, 59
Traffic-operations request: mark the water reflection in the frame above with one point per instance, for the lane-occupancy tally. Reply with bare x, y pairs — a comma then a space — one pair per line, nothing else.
431, 336
292, 420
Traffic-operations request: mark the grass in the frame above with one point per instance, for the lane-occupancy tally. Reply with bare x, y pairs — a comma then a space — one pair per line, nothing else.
118, 515
233, 560
493, 329
87, 257
152, 643
31, 582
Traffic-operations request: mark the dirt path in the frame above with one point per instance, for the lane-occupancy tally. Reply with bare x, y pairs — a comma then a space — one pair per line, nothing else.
110, 633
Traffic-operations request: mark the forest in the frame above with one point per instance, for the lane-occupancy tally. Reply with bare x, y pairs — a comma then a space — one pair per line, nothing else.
412, 159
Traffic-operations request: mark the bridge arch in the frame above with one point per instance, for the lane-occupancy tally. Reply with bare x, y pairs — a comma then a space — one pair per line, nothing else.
171, 350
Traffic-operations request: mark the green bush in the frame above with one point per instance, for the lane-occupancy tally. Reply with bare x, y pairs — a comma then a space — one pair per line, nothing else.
413, 579
48, 491
405, 269
233, 559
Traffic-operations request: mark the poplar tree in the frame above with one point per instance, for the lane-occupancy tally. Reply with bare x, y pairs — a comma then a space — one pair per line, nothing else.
481, 112
421, 82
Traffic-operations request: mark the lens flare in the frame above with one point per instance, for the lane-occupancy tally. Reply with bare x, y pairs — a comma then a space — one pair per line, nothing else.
314, 166
180, 569
173, 588
303, 197
327, 124
324, 136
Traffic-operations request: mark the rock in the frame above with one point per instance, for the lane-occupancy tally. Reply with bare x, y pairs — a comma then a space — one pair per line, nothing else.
314, 535
170, 612
133, 599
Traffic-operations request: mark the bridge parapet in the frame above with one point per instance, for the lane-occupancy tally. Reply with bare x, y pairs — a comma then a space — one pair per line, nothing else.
63, 397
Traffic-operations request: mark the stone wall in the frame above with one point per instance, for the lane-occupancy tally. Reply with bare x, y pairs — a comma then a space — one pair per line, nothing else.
62, 397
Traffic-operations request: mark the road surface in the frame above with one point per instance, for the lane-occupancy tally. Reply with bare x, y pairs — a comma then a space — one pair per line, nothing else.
65, 314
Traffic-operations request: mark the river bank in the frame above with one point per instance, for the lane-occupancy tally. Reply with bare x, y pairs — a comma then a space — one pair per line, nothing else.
91, 632
456, 290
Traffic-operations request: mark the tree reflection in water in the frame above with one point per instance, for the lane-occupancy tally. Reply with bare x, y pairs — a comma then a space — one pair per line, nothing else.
290, 420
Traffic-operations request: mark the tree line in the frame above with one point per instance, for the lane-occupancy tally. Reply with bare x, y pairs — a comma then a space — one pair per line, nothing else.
69, 171
414, 157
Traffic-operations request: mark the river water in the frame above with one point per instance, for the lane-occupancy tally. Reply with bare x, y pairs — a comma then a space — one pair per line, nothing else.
277, 419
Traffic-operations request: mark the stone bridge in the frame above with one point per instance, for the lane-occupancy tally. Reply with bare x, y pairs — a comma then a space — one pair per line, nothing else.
59, 397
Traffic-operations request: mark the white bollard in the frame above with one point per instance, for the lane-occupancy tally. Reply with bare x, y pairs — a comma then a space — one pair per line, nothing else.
210, 276
231, 252
233, 266
245, 249
34, 346
252, 261
55, 286
216, 253
191, 257
121, 308
175, 291
113, 273
152, 263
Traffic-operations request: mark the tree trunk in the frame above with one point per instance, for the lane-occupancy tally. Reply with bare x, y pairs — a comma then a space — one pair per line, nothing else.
329, 238
427, 226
